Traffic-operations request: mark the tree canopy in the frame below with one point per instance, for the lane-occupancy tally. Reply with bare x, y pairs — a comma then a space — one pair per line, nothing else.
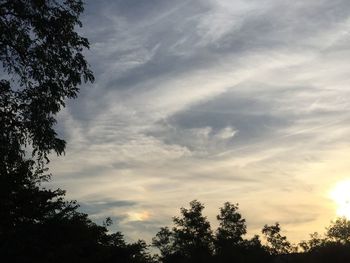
191, 239
232, 227
43, 65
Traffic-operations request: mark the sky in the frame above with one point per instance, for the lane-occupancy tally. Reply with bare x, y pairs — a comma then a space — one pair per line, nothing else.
215, 100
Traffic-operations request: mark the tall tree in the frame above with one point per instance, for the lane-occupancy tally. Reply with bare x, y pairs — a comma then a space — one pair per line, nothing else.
190, 240
43, 65
42, 62
232, 227
192, 233
164, 241
41, 55
277, 243
315, 242
339, 231
230, 246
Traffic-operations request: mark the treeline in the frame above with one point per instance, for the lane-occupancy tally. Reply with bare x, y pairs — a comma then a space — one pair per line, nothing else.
38, 225
191, 239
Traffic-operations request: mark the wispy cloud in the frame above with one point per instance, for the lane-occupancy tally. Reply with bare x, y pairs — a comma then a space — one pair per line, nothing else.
242, 101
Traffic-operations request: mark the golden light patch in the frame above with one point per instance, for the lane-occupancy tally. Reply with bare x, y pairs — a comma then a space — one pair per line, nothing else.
139, 216
340, 194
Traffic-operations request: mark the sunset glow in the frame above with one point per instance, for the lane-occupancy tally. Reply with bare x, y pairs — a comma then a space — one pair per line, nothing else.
341, 196
138, 216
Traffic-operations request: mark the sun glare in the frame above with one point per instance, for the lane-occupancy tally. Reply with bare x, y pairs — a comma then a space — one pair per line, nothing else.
341, 196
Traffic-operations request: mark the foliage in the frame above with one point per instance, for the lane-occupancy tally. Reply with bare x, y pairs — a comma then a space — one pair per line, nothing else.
277, 244
164, 241
315, 242
190, 240
41, 54
232, 227
192, 233
339, 231
229, 245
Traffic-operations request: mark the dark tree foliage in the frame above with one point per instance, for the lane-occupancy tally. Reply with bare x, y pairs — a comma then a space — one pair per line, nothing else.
230, 246
232, 227
38, 225
192, 231
41, 55
192, 240
164, 241
277, 243
333, 247
43, 65
316, 241
339, 231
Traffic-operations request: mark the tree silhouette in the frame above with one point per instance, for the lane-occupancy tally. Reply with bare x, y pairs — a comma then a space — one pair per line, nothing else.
190, 240
164, 241
315, 242
229, 243
42, 59
333, 247
192, 233
339, 231
41, 55
232, 228
277, 244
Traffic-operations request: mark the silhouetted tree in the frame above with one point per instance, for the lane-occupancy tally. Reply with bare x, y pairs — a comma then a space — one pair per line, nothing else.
315, 242
254, 251
339, 231
43, 64
41, 55
229, 235
230, 246
232, 227
334, 247
277, 244
164, 241
190, 240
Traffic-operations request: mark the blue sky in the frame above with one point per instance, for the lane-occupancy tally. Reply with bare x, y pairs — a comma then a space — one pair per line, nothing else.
240, 101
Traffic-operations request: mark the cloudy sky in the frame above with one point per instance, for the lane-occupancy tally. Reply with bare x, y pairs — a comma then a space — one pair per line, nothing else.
244, 101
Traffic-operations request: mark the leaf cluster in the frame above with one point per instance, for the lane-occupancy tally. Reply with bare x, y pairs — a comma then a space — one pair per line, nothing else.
43, 62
